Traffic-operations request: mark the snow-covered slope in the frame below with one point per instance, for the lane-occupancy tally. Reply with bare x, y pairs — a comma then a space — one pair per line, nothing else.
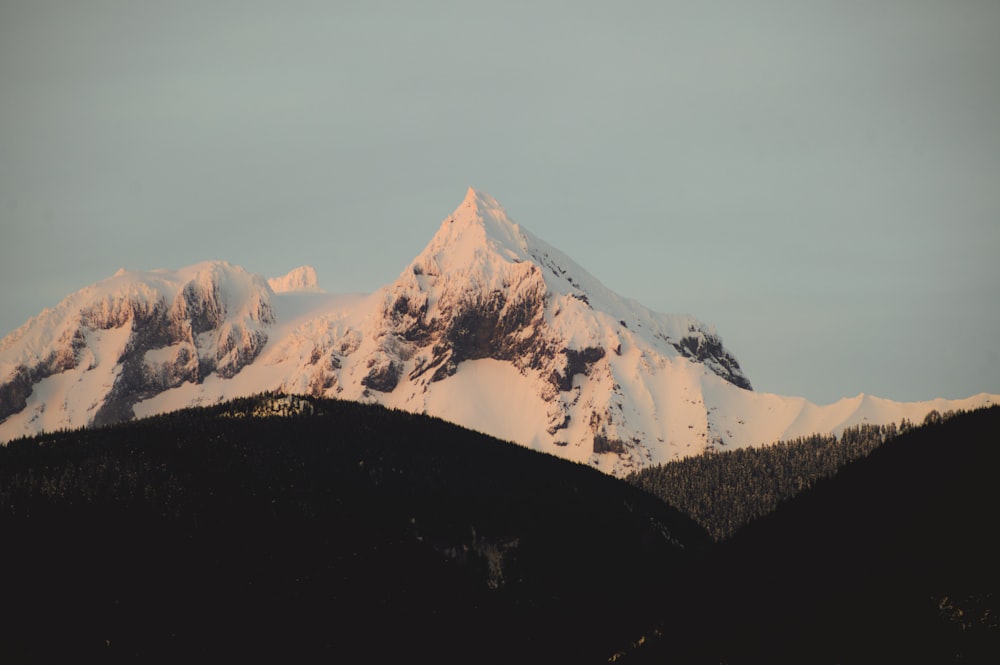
489, 327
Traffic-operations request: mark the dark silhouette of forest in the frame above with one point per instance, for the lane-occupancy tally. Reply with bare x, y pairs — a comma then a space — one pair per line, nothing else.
892, 559
298, 529
353, 533
724, 491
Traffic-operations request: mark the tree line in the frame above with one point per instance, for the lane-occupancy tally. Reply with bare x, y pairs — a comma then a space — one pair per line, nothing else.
726, 490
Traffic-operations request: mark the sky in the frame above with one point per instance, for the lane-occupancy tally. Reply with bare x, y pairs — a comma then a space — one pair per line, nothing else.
818, 180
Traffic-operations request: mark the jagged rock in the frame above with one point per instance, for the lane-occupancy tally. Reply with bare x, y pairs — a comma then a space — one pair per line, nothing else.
577, 362
383, 378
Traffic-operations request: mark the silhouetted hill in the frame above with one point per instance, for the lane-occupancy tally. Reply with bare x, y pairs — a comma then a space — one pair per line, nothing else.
724, 491
353, 533
894, 559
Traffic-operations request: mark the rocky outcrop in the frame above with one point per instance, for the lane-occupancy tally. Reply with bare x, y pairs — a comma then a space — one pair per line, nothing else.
577, 362
181, 327
707, 348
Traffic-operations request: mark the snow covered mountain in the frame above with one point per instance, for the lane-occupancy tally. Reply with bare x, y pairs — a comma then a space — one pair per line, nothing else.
106, 347
489, 327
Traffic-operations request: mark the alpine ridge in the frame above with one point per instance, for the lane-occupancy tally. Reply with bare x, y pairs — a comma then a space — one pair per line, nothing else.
489, 327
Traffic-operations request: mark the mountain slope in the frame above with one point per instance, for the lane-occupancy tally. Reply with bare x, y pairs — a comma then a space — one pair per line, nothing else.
893, 559
489, 327
348, 532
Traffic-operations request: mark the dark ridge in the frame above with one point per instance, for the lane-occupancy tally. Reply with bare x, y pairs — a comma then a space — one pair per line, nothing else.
891, 560
355, 533
359, 534
724, 491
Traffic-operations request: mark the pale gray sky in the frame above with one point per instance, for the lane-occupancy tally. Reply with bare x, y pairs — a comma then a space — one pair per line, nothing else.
820, 180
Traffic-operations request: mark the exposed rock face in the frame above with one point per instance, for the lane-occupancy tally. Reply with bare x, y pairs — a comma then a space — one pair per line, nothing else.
707, 348
577, 362
170, 328
465, 323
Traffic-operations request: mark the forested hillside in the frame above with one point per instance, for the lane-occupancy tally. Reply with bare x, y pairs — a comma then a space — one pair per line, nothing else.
724, 491
893, 559
299, 529
348, 531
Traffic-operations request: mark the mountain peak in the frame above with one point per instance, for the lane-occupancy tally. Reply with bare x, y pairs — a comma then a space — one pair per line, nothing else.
481, 209
302, 278
481, 203
470, 196
478, 227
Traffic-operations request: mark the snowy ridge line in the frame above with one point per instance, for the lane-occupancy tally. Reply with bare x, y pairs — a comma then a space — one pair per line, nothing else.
489, 327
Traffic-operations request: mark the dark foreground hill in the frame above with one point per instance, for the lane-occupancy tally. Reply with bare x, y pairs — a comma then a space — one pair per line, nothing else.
895, 559
354, 534
358, 534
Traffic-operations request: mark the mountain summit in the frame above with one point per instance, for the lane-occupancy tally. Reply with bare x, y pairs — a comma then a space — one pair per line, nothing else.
478, 223
302, 278
482, 264
489, 326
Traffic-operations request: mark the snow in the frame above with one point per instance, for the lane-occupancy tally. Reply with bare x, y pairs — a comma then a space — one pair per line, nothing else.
642, 396
301, 279
492, 397
762, 418
73, 397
